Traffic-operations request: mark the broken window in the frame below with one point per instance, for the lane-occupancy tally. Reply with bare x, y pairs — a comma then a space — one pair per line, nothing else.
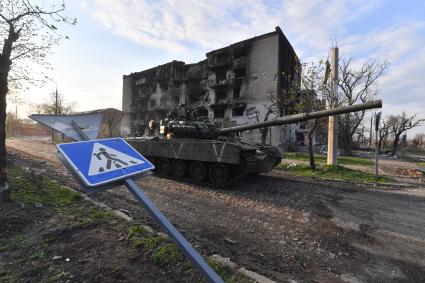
240, 73
152, 103
220, 75
220, 94
236, 92
237, 111
219, 113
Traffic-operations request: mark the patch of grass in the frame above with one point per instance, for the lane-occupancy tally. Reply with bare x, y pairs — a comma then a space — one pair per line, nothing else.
227, 275
150, 242
164, 252
344, 160
36, 255
99, 214
333, 172
20, 241
31, 190
422, 164
4, 245
167, 253
58, 277
351, 160
135, 232
142, 239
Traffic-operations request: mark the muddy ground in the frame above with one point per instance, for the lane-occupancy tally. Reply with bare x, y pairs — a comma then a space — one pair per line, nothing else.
44, 245
282, 226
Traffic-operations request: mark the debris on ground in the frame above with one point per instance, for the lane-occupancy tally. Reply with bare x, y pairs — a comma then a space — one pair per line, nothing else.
411, 172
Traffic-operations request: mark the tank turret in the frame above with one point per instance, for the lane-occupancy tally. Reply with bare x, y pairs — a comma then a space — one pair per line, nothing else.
187, 128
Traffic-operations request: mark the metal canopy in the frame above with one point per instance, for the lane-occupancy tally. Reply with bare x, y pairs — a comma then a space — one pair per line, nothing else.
89, 124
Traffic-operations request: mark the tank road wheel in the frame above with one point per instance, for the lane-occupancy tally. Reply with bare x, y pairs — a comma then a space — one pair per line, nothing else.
164, 166
178, 168
198, 171
218, 174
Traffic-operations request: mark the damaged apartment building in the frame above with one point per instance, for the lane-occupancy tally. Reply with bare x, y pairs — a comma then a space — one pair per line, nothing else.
235, 85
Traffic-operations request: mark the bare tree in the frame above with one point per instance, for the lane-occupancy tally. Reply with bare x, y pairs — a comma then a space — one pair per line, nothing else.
56, 104
12, 123
419, 142
400, 124
312, 95
112, 121
16, 98
306, 96
28, 31
361, 136
357, 85
271, 109
383, 132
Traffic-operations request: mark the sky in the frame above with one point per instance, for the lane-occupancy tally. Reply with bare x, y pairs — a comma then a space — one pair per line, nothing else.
116, 37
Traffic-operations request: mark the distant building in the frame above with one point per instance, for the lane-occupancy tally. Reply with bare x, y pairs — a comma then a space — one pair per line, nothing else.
111, 122
235, 85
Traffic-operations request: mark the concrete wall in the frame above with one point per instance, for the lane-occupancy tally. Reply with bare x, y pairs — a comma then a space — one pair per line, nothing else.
262, 69
259, 87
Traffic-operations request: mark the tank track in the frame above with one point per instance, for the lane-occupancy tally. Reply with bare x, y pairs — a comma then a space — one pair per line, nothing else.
251, 162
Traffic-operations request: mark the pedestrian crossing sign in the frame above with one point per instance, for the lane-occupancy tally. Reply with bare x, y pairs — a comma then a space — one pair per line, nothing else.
98, 162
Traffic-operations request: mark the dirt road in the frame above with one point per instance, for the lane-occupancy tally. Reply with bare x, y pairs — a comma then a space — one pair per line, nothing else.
282, 226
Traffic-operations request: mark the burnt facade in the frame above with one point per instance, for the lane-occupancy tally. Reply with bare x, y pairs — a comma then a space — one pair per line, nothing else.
235, 85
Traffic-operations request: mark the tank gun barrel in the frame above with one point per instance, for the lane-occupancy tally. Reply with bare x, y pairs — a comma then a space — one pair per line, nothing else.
302, 117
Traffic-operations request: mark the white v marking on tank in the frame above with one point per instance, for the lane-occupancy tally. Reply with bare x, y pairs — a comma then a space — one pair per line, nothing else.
176, 154
221, 151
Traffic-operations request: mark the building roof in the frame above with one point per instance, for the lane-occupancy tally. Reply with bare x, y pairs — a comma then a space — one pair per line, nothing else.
277, 31
97, 111
245, 41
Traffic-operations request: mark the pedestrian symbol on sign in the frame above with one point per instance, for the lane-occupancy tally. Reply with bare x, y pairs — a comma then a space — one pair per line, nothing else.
105, 159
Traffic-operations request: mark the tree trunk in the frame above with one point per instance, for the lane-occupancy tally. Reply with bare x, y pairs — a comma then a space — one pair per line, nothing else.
395, 144
346, 141
380, 141
264, 132
4, 186
345, 138
310, 147
5, 64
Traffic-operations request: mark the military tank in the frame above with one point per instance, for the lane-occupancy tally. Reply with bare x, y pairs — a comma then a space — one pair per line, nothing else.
199, 151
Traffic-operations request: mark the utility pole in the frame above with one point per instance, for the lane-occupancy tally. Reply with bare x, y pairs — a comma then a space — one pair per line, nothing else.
56, 110
377, 119
56, 102
371, 131
333, 120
